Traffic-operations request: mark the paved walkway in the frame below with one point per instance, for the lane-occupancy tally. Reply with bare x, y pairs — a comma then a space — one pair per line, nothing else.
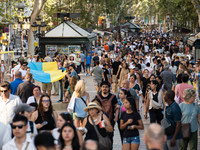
91, 90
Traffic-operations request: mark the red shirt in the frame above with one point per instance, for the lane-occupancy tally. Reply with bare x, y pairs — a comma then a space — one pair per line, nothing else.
106, 47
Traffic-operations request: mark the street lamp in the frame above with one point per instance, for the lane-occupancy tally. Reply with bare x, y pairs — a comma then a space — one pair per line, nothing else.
20, 19
38, 27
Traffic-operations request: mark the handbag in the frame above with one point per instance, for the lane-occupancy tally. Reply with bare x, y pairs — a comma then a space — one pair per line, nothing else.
166, 124
104, 142
186, 127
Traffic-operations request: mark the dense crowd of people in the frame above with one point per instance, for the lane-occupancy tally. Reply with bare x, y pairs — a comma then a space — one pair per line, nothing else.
152, 77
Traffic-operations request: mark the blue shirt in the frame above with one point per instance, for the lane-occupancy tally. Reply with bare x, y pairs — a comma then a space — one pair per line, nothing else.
73, 74
173, 114
82, 57
187, 110
88, 59
14, 84
79, 106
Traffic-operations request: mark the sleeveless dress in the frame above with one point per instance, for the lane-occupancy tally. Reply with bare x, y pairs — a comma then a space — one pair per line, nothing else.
48, 118
122, 76
91, 134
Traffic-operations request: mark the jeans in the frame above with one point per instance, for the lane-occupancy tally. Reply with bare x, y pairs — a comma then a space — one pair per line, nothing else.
78, 69
61, 91
83, 65
155, 115
131, 140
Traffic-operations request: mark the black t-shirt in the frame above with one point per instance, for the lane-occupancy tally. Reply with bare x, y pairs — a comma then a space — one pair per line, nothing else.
127, 132
145, 81
95, 58
114, 102
105, 72
115, 67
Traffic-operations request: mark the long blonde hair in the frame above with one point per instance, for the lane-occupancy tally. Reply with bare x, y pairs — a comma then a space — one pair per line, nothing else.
80, 88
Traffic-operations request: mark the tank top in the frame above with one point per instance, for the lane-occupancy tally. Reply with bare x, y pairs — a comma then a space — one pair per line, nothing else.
48, 118
147, 59
91, 134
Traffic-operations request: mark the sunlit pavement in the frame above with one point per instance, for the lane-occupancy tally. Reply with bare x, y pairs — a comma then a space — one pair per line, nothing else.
59, 107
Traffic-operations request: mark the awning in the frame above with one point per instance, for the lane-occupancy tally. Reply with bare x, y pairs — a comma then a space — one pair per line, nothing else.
191, 41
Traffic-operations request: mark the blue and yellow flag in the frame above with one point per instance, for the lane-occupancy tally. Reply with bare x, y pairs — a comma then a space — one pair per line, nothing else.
46, 72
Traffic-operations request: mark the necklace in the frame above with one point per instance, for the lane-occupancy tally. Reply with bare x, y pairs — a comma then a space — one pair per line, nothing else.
68, 146
95, 120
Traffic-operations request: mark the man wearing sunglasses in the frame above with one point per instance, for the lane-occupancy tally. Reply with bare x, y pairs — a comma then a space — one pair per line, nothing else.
8, 102
23, 70
21, 141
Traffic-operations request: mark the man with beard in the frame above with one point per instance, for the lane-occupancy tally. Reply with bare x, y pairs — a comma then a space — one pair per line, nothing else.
109, 103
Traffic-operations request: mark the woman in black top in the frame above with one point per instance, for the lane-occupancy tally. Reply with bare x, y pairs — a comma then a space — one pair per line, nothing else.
155, 103
94, 111
131, 122
45, 113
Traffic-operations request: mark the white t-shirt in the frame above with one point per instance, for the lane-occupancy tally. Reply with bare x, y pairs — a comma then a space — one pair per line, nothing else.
16, 68
23, 73
31, 99
31, 60
146, 48
173, 69
12, 75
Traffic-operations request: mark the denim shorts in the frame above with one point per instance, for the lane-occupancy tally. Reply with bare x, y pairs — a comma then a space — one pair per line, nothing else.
132, 140
88, 66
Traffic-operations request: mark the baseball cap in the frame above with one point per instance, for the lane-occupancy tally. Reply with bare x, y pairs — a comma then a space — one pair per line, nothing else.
24, 107
132, 67
105, 83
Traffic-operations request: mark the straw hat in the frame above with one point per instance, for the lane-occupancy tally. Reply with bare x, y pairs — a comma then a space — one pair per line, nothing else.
92, 105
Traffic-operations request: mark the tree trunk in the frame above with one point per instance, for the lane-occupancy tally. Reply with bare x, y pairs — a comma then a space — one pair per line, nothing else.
38, 5
196, 4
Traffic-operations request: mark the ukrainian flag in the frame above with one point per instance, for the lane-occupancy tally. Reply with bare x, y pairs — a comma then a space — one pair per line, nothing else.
46, 72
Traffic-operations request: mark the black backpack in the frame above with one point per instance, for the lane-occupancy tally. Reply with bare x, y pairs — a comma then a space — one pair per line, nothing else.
31, 126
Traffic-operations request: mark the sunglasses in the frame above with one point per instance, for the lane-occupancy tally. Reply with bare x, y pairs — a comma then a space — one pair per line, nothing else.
19, 126
4, 91
46, 100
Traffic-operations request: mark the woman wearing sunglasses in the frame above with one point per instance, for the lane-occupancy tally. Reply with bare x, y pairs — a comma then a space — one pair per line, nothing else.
45, 117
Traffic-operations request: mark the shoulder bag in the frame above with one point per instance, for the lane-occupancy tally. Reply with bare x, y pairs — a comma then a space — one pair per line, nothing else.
167, 126
186, 131
104, 142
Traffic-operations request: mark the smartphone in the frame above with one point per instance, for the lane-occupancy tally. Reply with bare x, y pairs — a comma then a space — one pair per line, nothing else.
44, 123
129, 127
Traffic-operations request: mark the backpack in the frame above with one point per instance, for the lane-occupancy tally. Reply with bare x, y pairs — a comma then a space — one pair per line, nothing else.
31, 126
107, 105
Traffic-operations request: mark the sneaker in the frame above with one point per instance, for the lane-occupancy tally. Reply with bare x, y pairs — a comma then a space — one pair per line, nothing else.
86, 74
59, 101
